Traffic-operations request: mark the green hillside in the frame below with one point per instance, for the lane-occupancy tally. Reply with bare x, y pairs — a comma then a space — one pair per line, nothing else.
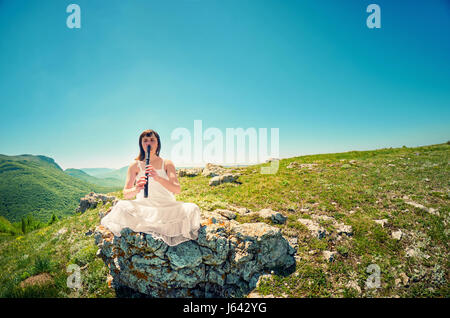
36, 185
7, 228
355, 188
105, 182
96, 171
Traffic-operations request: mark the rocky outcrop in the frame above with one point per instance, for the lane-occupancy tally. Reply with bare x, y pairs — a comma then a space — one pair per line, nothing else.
226, 260
91, 200
212, 170
225, 178
192, 172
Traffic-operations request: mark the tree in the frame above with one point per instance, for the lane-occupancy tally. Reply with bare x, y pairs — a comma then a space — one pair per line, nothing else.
24, 226
53, 219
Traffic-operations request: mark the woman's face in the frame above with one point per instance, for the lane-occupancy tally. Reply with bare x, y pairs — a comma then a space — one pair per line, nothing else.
152, 141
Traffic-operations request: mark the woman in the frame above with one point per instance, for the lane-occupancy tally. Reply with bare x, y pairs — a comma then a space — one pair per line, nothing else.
160, 214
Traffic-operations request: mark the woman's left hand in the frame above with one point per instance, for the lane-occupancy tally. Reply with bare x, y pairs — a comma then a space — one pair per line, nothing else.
151, 172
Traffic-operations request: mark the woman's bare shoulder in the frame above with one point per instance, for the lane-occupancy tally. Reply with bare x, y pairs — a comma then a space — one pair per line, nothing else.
168, 162
133, 165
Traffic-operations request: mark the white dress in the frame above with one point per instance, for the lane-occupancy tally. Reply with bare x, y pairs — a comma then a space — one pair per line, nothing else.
160, 214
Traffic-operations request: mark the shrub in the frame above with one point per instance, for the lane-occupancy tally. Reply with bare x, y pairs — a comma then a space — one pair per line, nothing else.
42, 264
85, 255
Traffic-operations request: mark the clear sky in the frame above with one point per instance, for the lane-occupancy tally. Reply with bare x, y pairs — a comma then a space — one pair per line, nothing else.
313, 69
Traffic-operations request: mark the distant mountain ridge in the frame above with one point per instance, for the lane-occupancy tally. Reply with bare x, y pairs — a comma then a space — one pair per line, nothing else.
107, 182
96, 171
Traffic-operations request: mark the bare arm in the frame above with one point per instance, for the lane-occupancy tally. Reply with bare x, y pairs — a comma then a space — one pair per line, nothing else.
130, 191
172, 184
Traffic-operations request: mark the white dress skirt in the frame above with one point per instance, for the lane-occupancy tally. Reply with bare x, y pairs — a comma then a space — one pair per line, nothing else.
159, 214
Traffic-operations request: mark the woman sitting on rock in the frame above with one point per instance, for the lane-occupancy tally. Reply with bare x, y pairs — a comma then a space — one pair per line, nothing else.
160, 214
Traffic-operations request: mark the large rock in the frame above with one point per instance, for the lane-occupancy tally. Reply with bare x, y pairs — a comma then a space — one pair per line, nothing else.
91, 200
226, 260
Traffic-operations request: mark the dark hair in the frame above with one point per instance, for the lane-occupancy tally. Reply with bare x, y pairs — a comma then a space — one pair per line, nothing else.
147, 133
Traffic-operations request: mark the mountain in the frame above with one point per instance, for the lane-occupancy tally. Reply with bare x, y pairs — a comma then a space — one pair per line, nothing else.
96, 171
119, 174
106, 182
37, 185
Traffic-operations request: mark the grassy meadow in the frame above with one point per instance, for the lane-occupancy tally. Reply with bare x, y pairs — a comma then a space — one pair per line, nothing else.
355, 188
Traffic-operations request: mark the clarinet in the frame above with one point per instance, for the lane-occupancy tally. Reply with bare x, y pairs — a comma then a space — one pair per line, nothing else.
147, 162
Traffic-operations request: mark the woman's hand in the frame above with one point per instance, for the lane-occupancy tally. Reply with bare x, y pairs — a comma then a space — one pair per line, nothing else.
140, 184
152, 172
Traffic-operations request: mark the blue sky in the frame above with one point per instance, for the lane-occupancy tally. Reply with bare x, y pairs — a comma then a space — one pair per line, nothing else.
313, 69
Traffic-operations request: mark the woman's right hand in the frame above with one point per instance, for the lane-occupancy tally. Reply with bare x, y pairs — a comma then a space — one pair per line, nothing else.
140, 184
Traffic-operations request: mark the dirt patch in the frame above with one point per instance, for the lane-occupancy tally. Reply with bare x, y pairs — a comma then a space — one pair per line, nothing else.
40, 279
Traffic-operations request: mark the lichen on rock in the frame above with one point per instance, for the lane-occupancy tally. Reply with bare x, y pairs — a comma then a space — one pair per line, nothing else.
226, 260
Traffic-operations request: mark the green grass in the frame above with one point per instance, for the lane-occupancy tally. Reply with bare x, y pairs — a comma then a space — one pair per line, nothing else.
46, 251
354, 188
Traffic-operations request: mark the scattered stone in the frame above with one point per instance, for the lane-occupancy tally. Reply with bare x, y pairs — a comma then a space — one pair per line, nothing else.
342, 229
308, 165
255, 294
291, 209
397, 235
295, 164
189, 172
411, 252
422, 207
418, 275
329, 256
382, 222
240, 210
323, 218
91, 200
212, 170
292, 165
275, 217
61, 231
230, 215
404, 278
315, 229
225, 178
